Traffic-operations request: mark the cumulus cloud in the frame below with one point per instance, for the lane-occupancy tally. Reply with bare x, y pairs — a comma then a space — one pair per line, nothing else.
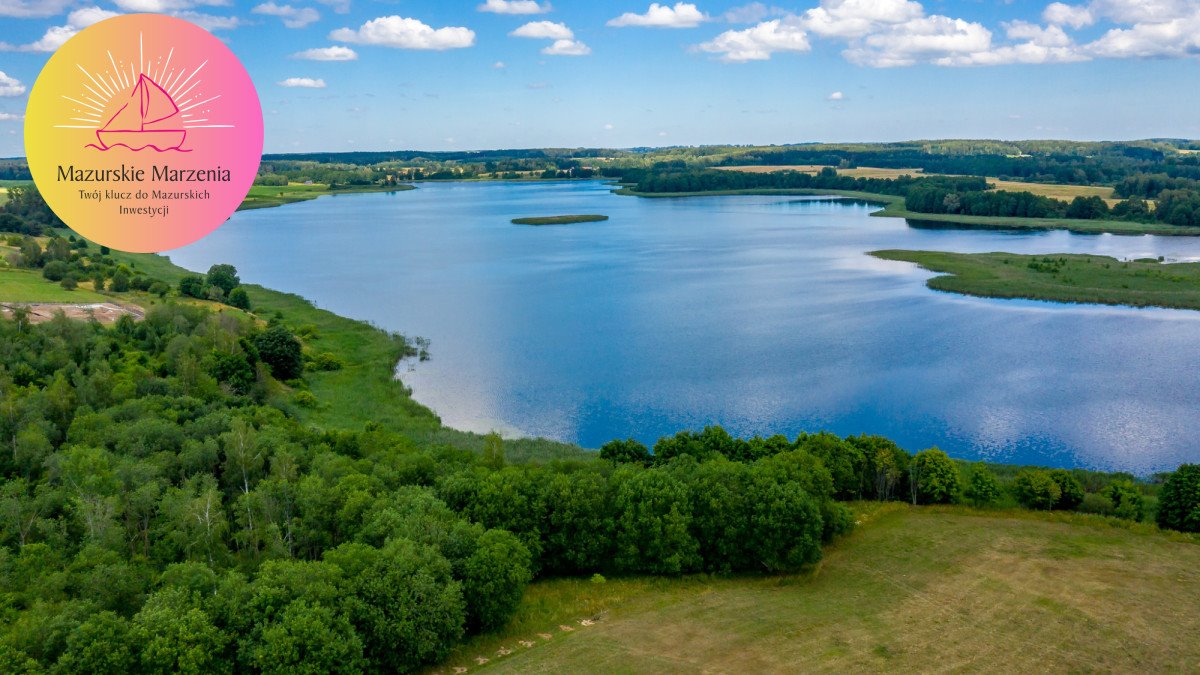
514, 7
1061, 14
337, 53
760, 42
210, 22
546, 30
302, 82
682, 15
751, 13
836, 96
402, 33
55, 36
10, 86
936, 38
10, 117
567, 48
33, 9
499, 65
856, 18
166, 6
293, 17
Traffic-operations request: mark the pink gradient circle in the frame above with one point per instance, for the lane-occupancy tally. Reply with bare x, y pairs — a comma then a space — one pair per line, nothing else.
152, 94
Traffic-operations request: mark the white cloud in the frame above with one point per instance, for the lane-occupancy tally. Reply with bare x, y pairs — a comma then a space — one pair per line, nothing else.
10, 86
857, 18
210, 22
1062, 14
166, 6
33, 9
547, 30
499, 65
514, 7
567, 48
55, 36
302, 82
1173, 38
10, 117
751, 13
608, 127
836, 96
938, 39
682, 15
1144, 11
337, 53
402, 33
339, 6
760, 42
293, 17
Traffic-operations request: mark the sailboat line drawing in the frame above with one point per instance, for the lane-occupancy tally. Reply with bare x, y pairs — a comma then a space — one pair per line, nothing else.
150, 119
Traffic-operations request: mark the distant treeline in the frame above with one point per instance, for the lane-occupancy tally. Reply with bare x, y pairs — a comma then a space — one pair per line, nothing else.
670, 179
1043, 162
26, 212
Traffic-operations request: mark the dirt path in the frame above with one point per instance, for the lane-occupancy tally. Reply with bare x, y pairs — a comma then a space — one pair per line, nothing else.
104, 312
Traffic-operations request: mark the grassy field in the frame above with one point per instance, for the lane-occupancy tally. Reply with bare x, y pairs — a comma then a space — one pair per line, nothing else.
30, 286
266, 196
559, 220
932, 589
1063, 192
858, 172
1061, 278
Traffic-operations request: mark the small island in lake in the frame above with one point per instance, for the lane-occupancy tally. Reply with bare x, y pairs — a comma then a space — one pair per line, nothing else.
559, 220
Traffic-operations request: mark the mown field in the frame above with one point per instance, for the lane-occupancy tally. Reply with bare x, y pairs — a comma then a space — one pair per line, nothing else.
930, 589
1060, 277
29, 286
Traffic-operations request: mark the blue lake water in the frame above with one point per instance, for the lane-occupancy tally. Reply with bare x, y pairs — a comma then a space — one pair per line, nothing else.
760, 313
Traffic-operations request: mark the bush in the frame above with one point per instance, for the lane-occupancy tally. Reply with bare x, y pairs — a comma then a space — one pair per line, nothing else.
1071, 492
120, 282
305, 399
281, 351
1127, 500
1179, 500
1096, 503
328, 361
69, 283
55, 270
982, 488
192, 286
224, 277
239, 298
934, 477
1036, 490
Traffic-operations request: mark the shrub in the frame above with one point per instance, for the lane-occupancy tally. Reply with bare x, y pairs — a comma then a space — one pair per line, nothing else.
55, 270
328, 361
934, 477
224, 277
982, 488
68, 282
280, 350
305, 399
1096, 503
1071, 492
1036, 490
120, 282
239, 298
1179, 500
1127, 500
192, 286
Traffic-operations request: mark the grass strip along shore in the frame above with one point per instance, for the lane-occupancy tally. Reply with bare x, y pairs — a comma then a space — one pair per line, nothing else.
1060, 277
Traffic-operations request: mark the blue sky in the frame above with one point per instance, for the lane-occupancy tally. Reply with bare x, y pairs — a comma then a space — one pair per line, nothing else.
390, 74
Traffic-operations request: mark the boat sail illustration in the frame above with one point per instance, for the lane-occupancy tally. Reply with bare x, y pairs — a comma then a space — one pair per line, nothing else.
149, 119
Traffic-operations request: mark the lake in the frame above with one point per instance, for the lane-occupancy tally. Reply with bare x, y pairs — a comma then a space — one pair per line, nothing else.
759, 313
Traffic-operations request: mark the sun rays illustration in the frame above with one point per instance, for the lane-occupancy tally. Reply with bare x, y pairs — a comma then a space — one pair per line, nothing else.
147, 103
